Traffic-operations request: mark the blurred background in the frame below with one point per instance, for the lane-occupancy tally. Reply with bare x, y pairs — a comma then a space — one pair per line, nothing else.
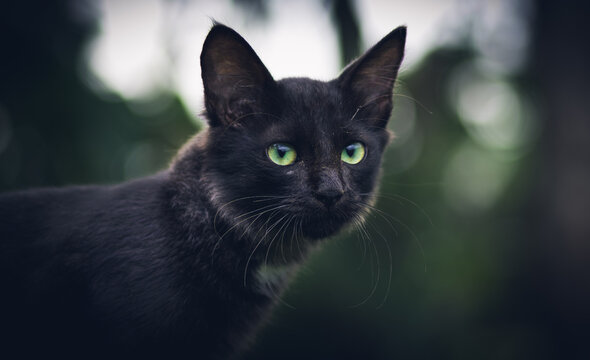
481, 244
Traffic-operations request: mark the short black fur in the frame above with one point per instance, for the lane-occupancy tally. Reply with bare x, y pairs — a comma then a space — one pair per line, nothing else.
188, 262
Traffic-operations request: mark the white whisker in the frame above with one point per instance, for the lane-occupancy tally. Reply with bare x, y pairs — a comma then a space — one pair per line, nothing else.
258, 245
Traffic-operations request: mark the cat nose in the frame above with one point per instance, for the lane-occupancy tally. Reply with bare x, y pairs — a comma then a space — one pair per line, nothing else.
329, 197
329, 188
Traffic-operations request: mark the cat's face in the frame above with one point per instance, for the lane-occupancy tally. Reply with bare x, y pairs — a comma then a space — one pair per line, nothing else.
294, 155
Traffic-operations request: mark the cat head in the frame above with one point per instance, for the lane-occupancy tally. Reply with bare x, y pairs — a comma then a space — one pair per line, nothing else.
296, 154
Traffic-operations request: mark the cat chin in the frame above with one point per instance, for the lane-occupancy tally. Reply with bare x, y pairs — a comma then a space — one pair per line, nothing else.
318, 229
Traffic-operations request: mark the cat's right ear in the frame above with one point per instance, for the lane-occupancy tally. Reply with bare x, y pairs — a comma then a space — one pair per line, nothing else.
236, 82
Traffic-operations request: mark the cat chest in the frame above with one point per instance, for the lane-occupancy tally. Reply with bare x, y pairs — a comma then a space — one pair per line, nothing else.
270, 280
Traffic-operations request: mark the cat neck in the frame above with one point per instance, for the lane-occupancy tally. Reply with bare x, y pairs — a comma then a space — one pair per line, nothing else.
260, 260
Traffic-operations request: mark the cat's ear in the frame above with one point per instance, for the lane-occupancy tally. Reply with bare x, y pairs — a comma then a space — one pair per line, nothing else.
236, 82
367, 82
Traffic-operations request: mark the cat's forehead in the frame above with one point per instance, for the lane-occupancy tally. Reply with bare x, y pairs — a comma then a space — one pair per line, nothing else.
311, 106
308, 96
310, 115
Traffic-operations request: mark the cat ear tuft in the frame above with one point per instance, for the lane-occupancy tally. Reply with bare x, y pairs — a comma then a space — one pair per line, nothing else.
368, 81
236, 81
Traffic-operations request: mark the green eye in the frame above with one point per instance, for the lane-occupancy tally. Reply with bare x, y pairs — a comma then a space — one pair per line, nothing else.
281, 154
353, 153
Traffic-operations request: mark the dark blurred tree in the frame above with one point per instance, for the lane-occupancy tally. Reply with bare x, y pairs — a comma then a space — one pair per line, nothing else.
256, 8
557, 284
346, 23
344, 18
54, 129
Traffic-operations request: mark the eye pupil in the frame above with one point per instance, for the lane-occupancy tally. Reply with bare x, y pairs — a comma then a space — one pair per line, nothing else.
353, 153
281, 154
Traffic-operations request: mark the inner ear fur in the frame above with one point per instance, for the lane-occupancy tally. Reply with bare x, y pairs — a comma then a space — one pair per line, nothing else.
368, 81
235, 80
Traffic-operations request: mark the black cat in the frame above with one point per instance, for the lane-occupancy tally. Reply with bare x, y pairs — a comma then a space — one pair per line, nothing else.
189, 262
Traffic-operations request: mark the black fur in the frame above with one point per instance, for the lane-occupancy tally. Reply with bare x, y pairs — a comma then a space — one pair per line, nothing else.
172, 265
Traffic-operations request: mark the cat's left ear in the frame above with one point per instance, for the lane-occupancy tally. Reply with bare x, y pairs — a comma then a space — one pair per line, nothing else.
236, 82
367, 83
